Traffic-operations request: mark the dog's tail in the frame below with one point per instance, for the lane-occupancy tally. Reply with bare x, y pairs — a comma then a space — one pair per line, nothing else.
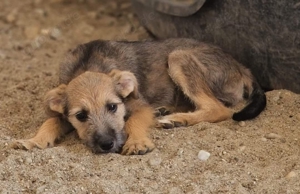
257, 103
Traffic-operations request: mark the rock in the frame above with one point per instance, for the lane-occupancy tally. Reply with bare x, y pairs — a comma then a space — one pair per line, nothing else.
277, 97
28, 160
107, 21
31, 32
41, 12
55, 33
3, 55
12, 16
264, 139
298, 116
203, 155
291, 174
180, 152
155, 161
242, 123
92, 14
272, 136
88, 30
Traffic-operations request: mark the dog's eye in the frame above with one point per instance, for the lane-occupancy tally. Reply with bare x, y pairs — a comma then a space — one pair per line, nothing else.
112, 107
81, 116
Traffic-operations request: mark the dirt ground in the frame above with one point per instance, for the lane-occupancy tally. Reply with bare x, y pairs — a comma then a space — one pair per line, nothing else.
258, 156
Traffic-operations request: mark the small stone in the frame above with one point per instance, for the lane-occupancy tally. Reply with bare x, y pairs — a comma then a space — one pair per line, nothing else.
41, 12
291, 174
298, 116
264, 139
203, 155
45, 31
180, 152
242, 148
107, 21
31, 32
55, 33
28, 160
277, 97
242, 123
12, 16
272, 136
155, 161
3, 55
92, 14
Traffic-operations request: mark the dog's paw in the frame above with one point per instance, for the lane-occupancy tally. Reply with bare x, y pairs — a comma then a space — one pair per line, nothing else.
168, 122
29, 144
162, 111
137, 146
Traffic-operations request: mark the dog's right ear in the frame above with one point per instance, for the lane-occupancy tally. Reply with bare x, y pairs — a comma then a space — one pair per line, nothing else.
55, 101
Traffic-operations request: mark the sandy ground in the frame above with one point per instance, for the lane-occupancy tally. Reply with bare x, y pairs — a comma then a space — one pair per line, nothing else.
258, 156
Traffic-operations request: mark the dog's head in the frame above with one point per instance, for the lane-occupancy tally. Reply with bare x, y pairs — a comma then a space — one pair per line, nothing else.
93, 104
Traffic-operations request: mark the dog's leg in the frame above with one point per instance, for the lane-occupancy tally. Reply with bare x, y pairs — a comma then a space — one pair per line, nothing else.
51, 130
137, 127
187, 72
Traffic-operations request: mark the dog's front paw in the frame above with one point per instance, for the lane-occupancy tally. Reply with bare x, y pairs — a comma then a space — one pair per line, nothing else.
29, 144
137, 146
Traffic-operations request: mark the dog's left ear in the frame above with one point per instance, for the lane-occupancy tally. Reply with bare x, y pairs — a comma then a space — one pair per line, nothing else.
125, 83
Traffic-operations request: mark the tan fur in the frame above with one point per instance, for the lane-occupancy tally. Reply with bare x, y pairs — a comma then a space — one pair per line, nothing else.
111, 90
83, 92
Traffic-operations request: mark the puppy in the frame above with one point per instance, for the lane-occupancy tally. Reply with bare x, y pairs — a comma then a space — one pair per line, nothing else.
110, 92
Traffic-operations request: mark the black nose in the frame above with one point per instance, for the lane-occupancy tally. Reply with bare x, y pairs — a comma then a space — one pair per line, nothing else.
106, 145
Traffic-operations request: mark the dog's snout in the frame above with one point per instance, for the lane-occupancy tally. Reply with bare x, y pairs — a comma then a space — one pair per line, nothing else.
104, 141
106, 145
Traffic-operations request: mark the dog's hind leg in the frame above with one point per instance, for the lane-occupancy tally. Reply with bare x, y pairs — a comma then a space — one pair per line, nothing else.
187, 72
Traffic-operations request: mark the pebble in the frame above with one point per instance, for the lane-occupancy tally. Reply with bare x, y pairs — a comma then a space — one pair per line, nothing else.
92, 14
242, 148
291, 174
298, 116
107, 21
41, 12
155, 161
12, 16
203, 155
272, 136
180, 152
55, 33
28, 160
3, 55
31, 32
264, 139
242, 123
277, 97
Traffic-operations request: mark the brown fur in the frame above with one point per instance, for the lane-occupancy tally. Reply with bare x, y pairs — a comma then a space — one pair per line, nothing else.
189, 80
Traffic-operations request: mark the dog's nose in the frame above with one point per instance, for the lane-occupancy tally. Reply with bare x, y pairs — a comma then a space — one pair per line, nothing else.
106, 145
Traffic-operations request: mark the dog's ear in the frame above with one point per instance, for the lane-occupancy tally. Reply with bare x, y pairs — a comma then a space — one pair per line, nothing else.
125, 83
55, 101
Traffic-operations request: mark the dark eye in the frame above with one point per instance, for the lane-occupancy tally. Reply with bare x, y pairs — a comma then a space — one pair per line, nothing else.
112, 107
82, 116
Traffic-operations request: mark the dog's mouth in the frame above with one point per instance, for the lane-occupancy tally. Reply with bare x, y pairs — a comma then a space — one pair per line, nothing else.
113, 145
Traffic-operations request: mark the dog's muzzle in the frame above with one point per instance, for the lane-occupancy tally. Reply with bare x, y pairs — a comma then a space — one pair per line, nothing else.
107, 143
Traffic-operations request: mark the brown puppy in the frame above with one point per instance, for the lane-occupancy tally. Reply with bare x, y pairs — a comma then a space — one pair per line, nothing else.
109, 89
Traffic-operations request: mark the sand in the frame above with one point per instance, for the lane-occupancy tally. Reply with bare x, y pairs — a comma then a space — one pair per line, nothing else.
257, 156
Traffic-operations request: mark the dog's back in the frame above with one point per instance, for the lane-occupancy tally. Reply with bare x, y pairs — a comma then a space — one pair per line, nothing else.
227, 80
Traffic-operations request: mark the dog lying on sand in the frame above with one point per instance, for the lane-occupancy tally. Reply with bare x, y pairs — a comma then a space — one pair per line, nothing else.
111, 91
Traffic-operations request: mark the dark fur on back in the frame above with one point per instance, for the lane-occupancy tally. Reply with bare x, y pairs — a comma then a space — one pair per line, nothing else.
148, 60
